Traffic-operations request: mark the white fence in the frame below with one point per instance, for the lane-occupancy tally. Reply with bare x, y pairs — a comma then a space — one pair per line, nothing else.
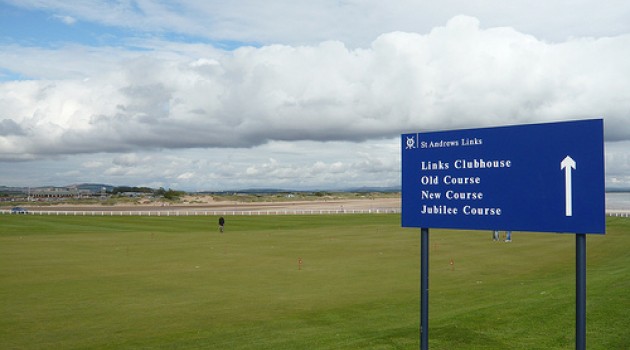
613, 213
205, 212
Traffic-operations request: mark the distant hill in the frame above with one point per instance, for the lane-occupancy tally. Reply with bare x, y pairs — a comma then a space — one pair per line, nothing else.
11, 190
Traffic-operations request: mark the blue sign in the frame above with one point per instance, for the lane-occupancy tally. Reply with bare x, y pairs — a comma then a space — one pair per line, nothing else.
538, 177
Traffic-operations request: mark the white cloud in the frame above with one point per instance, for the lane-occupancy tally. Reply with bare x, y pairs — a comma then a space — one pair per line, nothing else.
186, 176
69, 20
458, 75
92, 164
355, 23
305, 165
320, 100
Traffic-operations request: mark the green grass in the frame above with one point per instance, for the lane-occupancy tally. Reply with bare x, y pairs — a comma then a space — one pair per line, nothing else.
176, 283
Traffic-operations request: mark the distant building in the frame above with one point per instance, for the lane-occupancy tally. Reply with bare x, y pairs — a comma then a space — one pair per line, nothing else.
58, 193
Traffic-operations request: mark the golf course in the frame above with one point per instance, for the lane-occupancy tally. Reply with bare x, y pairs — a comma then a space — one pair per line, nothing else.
346, 281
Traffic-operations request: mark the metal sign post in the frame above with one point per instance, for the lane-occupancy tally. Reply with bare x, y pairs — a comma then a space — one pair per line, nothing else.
424, 289
580, 291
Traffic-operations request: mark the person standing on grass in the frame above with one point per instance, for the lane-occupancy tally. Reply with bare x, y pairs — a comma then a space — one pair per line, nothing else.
221, 224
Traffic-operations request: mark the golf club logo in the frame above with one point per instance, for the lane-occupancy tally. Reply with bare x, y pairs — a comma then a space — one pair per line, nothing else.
411, 142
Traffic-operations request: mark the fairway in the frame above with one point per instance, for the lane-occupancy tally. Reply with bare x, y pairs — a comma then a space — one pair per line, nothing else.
299, 282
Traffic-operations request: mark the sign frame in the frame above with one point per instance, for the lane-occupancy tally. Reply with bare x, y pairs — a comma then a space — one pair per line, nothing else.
545, 177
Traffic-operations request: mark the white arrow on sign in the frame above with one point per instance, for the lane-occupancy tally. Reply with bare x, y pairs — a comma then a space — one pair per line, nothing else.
567, 164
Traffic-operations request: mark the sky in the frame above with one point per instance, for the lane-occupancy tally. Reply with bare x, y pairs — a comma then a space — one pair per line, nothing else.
213, 95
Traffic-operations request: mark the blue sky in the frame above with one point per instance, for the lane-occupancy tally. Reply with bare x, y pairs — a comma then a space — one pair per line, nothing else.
213, 95
44, 29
